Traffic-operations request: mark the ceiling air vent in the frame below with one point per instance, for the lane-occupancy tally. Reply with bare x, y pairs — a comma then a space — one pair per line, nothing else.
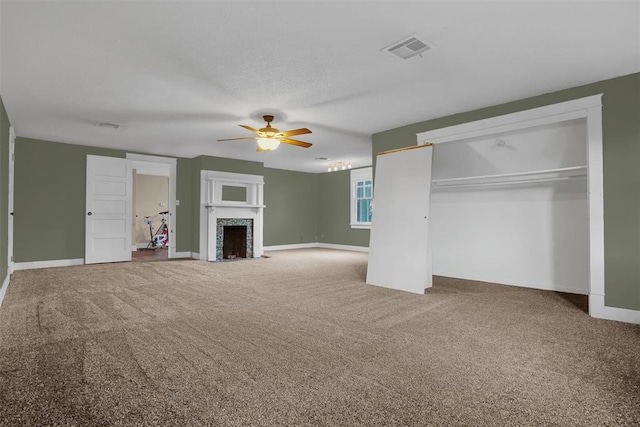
108, 125
407, 47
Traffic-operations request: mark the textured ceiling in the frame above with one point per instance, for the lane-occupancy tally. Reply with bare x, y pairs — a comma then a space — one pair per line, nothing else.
179, 75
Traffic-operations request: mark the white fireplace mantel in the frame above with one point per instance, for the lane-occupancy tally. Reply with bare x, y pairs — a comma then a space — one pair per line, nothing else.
212, 208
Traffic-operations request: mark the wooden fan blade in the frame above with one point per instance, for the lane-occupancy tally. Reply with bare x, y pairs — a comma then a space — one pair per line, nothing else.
249, 128
236, 139
301, 131
294, 142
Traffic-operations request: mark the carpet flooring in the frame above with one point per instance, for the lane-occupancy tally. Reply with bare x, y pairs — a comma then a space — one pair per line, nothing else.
299, 339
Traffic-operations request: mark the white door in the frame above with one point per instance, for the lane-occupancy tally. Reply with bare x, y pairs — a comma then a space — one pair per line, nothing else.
399, 253
109, 210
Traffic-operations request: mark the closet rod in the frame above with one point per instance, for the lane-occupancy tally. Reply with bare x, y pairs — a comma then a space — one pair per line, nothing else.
522, 181
508, 175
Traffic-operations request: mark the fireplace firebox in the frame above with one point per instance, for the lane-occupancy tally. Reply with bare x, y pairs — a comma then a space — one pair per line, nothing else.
234, 238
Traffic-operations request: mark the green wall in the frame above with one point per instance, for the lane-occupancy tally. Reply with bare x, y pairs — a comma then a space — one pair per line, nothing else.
334, 207
291, 200
621, 153
234, 194
4, 191
291, 213
50, 200
50, 197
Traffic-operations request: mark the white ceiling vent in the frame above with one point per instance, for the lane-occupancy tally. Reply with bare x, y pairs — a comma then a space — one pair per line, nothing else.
407, 47
108, 125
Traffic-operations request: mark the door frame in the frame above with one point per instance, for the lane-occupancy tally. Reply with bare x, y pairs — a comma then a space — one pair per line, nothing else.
12, 158
161, 166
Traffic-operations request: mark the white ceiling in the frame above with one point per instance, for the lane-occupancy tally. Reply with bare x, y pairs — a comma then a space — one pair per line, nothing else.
177, 75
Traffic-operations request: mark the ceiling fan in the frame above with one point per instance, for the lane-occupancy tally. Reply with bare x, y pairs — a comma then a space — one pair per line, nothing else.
269, 138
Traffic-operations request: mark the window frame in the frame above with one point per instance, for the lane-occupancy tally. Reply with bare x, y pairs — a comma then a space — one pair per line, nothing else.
359, 175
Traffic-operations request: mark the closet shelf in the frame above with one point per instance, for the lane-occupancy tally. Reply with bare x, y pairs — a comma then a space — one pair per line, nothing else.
545, 175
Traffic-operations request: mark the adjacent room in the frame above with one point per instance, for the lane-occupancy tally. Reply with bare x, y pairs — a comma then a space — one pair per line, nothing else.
319, 213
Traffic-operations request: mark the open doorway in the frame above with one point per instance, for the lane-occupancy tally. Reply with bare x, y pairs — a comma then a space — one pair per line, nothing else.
150, 228
154, 196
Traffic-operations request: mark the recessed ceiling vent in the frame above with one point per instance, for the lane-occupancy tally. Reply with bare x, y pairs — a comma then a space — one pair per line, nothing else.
407, 47
108, 125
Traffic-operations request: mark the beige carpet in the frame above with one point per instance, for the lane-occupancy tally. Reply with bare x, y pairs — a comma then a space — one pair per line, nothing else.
299, 339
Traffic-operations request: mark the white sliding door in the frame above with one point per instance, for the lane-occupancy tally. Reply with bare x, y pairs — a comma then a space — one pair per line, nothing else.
109, 210
399, 253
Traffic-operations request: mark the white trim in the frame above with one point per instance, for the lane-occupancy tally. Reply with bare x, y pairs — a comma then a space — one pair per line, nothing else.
548, 114
362, 225
146, 163
343, 247
589, 108
595, 188
195, 255
316, 245
12, 150
599, 310
292, 246
48, 264
5, 286
234, 179
185, 254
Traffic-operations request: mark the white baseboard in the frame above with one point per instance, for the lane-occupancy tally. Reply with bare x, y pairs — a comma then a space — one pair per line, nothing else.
316, 245
195, 255
599, 310
48, 264
185, 254
292, 246
5, 285
343, 247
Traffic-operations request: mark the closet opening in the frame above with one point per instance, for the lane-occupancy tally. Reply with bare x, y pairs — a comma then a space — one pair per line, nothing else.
518, 199
511, 208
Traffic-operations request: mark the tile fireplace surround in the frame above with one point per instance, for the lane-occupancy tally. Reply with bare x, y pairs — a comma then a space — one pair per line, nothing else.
221, 223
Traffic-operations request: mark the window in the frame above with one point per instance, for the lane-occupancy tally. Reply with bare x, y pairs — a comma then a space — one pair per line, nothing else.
361, 197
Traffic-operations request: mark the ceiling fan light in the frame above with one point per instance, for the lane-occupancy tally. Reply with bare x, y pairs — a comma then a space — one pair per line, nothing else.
268, 143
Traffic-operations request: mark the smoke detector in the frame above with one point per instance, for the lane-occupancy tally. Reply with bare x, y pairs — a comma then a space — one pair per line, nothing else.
408, 47
108, 125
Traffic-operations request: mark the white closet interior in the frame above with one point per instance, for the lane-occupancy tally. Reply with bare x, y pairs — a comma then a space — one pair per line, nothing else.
512, 207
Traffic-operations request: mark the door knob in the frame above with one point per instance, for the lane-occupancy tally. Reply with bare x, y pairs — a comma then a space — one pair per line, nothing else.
89, 213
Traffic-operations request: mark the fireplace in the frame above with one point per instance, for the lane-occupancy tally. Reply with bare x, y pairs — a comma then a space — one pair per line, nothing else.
234, 238
219, 210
